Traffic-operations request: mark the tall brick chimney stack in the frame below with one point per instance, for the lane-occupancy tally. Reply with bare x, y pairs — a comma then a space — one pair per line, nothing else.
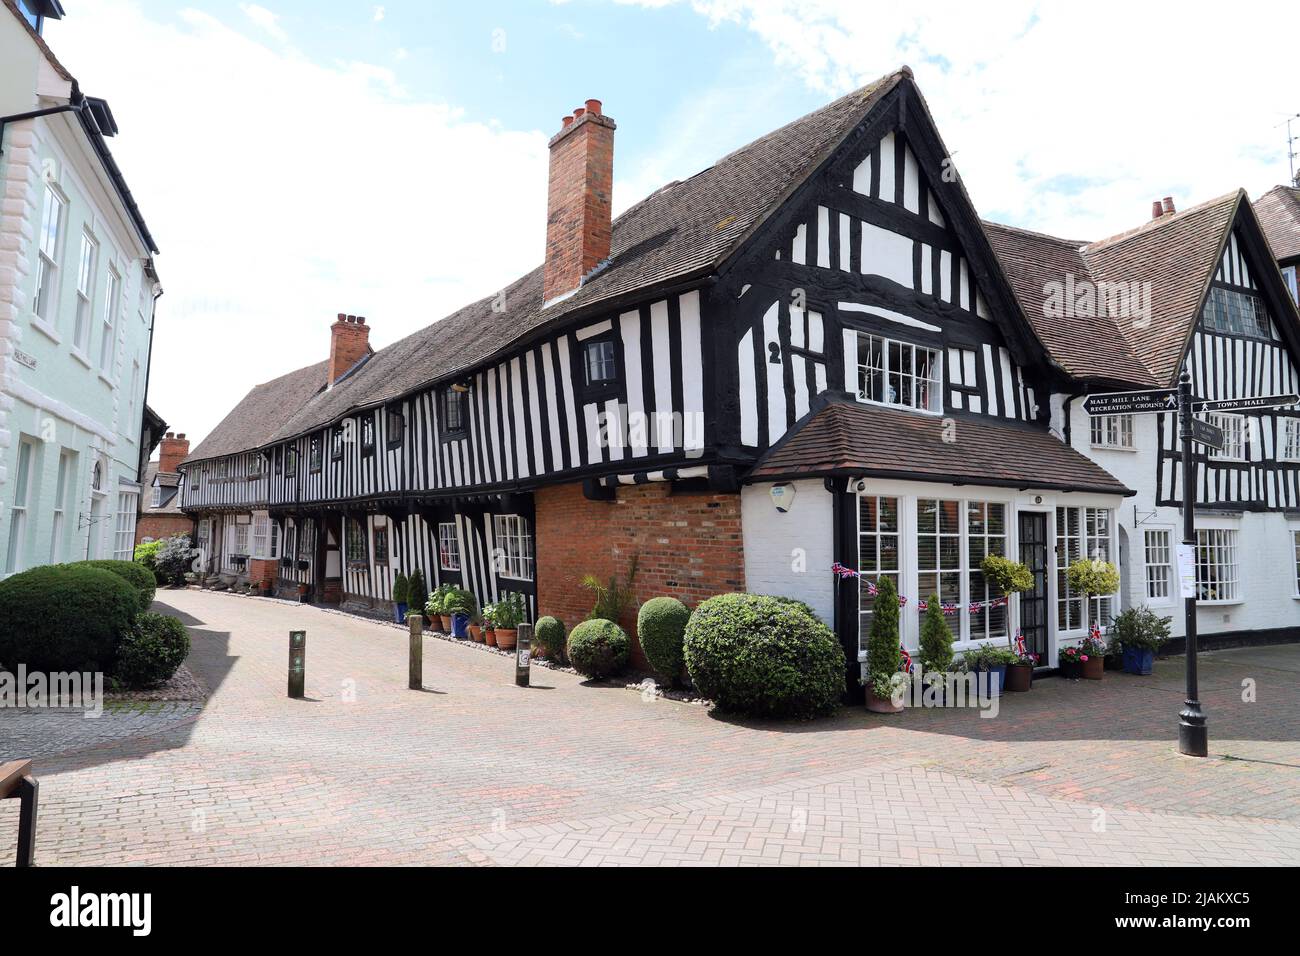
349, 344
579, 206
172, 451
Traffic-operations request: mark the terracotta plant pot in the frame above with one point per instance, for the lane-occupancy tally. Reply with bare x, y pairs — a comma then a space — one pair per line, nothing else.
1020, 677
879, 705
476, 633
506, 638
1094, 667
446, 623
490, 636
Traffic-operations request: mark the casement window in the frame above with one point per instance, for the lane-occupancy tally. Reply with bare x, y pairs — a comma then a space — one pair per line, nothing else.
381, 545
986, 533
155, 497
452, 406
202, 539
47, 265
1081, 534
336, 443
223, 468
356, 542
599, 362
1158, 547
1289, 275
1236, 313
236, 539
938, 549
85, 292
277, 459
261, 535
291, 537
1218, 574
66, 468
274, 547
878, 553
396, 425
448, 547
1234, 437
290, 461
513, 546
1295, 544
15, 554
1112, 431
899, 374
1290, 439
367, 423
128, 503
108, 334
314, 454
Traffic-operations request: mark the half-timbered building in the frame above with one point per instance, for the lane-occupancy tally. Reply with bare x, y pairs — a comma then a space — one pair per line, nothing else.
812, 353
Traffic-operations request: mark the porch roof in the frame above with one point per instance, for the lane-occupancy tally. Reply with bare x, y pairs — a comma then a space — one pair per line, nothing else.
849, 438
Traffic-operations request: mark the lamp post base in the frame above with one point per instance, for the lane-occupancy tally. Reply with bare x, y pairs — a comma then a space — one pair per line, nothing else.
1193, 735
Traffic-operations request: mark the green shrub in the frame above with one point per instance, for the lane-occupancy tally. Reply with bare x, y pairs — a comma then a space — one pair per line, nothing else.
1009, 576
150, 654
936, 638
883, 657
65, 618
612, 599
173, 559
146, 555
598, 648
548, 636
416, 592
511, 611
764, 656
661, 628
399, 588
1140, 628
459, 601
136, 575
1093, 577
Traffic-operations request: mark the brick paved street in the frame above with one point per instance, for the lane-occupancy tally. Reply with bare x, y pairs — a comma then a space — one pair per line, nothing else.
475, 771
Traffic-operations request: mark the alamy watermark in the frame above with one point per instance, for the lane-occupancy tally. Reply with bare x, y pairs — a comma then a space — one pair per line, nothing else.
1085, 299
72, 689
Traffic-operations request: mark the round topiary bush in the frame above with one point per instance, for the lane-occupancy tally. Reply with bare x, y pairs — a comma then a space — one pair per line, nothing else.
661, 628
150, 654
136, 575
598, 648
764, 656
65, 618
548, 636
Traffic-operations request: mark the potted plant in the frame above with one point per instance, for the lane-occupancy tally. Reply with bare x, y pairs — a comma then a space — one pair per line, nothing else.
436, 609
1092, 655
883, 657
1140, 632
399, 597
1010, 577
1020, 673
476, 628
459, 605
490, 625
1068, 660
1090, 578
416, 593
993, 661
509, 613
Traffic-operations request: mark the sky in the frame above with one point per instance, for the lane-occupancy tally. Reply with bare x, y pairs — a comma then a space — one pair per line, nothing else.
299, 158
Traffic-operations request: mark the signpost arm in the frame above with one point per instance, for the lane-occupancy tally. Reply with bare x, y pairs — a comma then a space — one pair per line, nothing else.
1193, 736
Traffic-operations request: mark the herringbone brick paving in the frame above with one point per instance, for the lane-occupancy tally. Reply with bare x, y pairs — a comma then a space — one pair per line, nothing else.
476, 771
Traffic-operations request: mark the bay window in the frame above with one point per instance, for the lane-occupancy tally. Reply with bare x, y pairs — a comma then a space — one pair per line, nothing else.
899, 374
1217, 570
986, 530
513, 547
878, 553
1082, 534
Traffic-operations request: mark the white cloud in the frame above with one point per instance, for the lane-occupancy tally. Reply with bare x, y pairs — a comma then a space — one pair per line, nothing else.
264, 18
283, 191
379, 14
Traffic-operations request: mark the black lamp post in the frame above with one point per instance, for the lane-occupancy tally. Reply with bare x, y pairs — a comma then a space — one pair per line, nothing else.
1193, 735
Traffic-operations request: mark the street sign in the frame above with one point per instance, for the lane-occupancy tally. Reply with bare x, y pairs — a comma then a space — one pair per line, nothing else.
1207, 434
1125, 403
1246, 404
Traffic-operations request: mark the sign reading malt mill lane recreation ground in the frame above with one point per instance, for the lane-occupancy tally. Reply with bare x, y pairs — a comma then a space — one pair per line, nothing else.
1126, 403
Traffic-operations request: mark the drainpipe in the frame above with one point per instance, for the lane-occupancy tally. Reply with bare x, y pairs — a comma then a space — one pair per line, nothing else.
76, 105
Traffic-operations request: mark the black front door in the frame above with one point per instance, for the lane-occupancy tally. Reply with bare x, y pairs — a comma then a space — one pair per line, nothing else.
1033, 603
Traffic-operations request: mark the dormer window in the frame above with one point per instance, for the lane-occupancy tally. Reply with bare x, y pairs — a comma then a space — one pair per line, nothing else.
35, 12
899, 374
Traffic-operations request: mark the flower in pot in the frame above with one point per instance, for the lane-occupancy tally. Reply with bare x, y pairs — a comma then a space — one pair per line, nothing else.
884, 688
1139, 632
509, 613
476, 628
1020, 673
459, 605
1092, 655
433, 607
1067, 659
399, 597
490, 625
991, 660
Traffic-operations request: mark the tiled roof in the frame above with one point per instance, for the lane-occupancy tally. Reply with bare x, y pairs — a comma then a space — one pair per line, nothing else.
1174, 257
1279, 215
263, 412
851, 438
166, 480
680, 232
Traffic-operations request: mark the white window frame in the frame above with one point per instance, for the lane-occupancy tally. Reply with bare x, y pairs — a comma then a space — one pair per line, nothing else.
1113, 432
885, 371
1289, 276
155, 498
448, 547
1088, 542
16, 551
45, 297
87, 263
1290, 440
1158, 557
64, 476
1218, 548
513, 544
878, 537
128, 503
261, 535
1295, 545
108, 328
1234, 436
1256, 314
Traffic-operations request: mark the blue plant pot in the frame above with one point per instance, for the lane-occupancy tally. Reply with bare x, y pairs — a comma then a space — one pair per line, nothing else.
1138, 661
990, 682
399, 614
460, 626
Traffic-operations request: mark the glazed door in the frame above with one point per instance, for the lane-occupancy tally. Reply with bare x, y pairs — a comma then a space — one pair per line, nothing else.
1033, 603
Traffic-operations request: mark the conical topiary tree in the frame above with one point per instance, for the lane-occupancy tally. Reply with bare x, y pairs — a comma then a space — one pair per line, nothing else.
936, 638
883, 658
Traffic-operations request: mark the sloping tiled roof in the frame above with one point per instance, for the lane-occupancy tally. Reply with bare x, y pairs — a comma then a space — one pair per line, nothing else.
1279, 215
851, 438
1174, 257
682, 231
263, 412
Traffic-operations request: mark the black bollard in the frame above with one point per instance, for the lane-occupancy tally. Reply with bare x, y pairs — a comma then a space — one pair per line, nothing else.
523, 654
297, 664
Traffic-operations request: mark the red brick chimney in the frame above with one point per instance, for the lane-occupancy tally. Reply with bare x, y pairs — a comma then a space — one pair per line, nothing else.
1168, 205
579, 206
349, 344
1156, 209
172, 451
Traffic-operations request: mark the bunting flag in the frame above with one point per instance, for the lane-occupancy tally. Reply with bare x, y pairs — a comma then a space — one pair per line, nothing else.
949, 609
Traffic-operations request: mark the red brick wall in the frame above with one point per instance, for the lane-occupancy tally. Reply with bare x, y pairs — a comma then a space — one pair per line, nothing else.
688, 547
349, 343
262, 573
162, 526
579, 201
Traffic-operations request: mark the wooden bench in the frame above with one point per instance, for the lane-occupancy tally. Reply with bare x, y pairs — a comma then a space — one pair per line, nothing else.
17, 783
